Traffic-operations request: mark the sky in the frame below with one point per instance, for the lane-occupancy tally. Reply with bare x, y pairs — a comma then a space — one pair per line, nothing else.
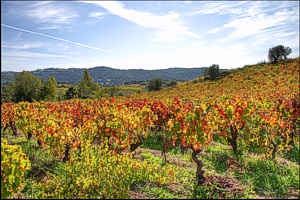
144, 34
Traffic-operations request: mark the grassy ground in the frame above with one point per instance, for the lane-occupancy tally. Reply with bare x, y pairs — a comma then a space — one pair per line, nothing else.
227, 175
131, 89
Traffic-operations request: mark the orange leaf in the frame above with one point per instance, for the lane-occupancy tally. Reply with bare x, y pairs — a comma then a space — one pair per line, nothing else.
173, 143
197, 146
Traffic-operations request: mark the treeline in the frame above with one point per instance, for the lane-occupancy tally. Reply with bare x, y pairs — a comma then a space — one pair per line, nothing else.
106, 76
28, 87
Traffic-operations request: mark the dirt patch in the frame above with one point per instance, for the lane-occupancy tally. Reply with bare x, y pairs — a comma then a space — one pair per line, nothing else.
39, 173
154, 152
262, 196
137, 195
213, 143
18, 196
283, 162
292, 194
224, 186
234, 165
176, 188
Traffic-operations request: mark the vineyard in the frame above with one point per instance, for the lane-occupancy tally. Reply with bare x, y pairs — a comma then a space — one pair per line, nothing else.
201, 139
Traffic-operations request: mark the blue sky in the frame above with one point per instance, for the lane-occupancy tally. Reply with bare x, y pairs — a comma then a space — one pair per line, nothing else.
144, 34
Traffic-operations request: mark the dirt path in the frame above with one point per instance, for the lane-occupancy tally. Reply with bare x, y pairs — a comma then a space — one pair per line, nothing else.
223, 183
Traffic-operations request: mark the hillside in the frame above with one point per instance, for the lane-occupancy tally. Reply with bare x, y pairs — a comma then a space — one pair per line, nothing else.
109, 76
235, 137
268, 80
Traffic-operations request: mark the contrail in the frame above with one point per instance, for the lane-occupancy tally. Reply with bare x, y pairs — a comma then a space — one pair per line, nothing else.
56, 38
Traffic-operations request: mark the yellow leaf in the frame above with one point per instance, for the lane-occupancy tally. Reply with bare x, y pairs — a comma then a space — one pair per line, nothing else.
203, 106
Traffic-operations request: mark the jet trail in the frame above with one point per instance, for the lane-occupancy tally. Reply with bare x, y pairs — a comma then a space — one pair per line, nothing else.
56, 38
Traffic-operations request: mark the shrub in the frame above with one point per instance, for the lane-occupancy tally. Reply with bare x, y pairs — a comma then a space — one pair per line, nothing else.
14, 163
98, 172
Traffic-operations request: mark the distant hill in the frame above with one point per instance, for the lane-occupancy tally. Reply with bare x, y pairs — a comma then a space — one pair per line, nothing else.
106, 76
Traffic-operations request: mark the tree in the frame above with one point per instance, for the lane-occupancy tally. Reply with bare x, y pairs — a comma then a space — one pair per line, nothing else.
49, 90
87, 88
155, 84
212, 71
7, 92
99, 93
84, 87
61, 95
27, 87
70, 93
278, 53
112, 91
171, 83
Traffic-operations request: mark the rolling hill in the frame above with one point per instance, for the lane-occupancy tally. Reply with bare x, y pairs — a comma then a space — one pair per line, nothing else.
106, 76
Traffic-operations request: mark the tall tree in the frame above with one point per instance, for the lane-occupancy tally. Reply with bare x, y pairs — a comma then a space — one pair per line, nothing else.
84, 87
87, 88
49, 90
27, 87
155, 84
212, 71
278, 53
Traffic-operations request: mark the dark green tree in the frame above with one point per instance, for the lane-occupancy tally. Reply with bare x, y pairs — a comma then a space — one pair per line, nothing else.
278, 53
85, 84
87, 88
61, 94
112, 91
171, 83
7, 92
27, 87
70, 93
155, 84
97, 92
212, 71
49, 90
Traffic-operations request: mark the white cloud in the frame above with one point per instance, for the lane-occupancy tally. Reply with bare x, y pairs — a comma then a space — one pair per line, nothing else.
40, 3
168, 36
22, 45
215, 30
169, 25
97, 14
26, 54
206, 55
48, 13
197, 44
24, 60
253, 18
250, 26
51, 27
195, 54
17, 37
219, 8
